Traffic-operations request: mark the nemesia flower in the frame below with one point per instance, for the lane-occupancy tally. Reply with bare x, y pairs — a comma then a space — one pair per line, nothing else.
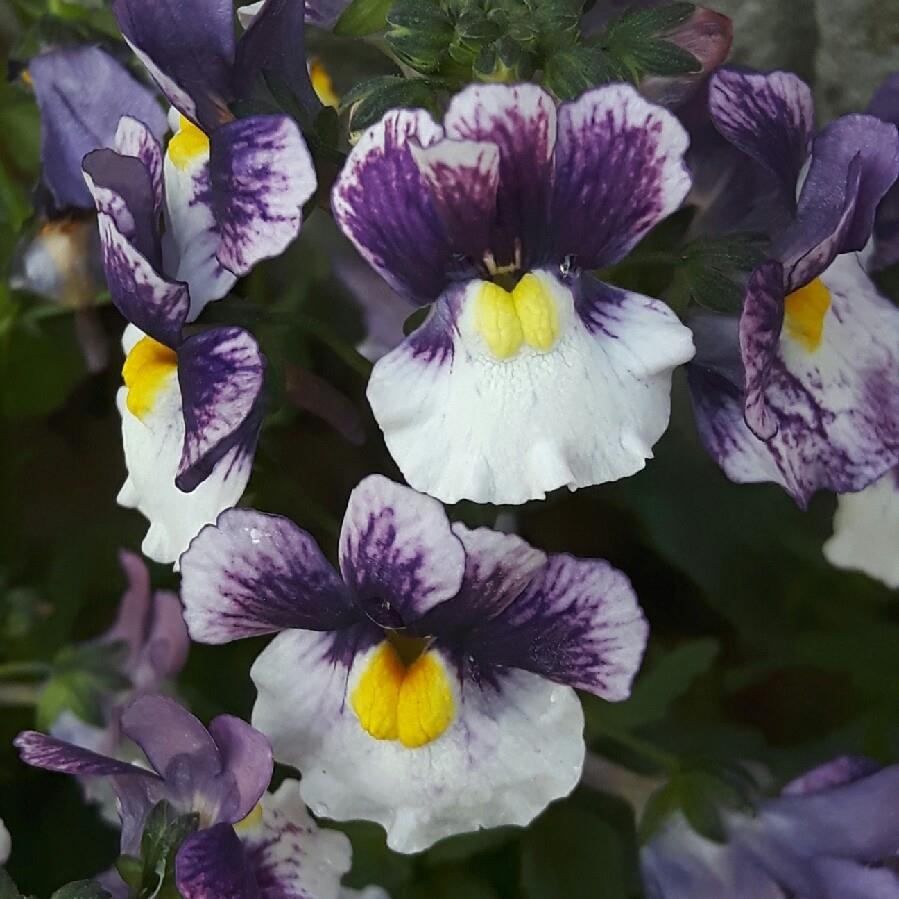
249, 842
235, 188
866, 531
831, 834
529, 374
803, 390
151, 631
428, 686
82, 92
191, 406
885, 105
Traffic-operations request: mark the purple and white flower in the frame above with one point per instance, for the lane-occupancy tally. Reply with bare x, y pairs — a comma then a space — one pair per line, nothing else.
249, 842
528, 374
866, 531
234, 188
191, 406
427, 685
831, 834
803, 390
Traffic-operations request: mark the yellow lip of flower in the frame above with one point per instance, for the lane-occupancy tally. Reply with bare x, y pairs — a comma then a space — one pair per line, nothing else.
146, 370
509, 319
188, 144
804, 313
411, 704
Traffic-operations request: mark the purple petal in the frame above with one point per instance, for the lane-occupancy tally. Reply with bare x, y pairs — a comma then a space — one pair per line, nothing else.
51, 754
167, 644
497, 569
131, 620
619, 170
133, 138
274, 45
577, 623
843, 879
221, 374
75, 120
837, 772
398, 552
247, 756
463, 177
854, 163
760, 327
252, 574
261, 174
769, 117
521, 121
885, 105
324, 13
382, 203
188, 48
212, 864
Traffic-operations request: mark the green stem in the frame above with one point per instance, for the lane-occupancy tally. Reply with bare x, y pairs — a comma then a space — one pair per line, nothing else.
19, 694
643, 748
16, 670
353, 358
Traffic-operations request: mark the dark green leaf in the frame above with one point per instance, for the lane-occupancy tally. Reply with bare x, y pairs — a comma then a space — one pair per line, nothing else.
362, 17
8, 890
164, 832
570, 72
371, 99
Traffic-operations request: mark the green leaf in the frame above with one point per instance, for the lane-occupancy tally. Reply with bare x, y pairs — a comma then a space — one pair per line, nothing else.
572, 853
8, 890
81, 889
463, 846
371, 99
373, 862
362, 17
570, 72
420, 34
164, 832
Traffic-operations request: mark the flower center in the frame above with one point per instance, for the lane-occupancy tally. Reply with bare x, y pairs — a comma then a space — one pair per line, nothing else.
398, 700
146, 370
509, 319
188, 144
804, 314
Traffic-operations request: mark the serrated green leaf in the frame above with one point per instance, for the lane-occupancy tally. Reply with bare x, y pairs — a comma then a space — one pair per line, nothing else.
570, 72
164, 832
713, 270
362, 17
371, 100
81, 889
659, 57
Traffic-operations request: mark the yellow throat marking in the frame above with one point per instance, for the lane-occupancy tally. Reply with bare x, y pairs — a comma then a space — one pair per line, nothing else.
252, 821
526, 315
804, 314
146, 370
188, 144
411, 704
322, 84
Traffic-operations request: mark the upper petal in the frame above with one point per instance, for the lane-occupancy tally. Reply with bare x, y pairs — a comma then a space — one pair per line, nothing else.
246, 755
188, 48
75, 120
769, 117
619, 170
221, 374
397, 552
260, 175
134, 138
382, 203
252, 573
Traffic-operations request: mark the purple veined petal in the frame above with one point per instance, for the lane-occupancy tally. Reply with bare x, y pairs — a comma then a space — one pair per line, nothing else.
619, 170
253, 573
122, 188
260, 174
51, 754
75, 121
398, 553
188, 48
521, 121
463, 177
497, 569
324, 13
291, 857
769, 117
840, 878
855, 161
221, 374
844, 769
577, 622
212, 864
133, 138
247, 756
382, 203
274, 44
760, 326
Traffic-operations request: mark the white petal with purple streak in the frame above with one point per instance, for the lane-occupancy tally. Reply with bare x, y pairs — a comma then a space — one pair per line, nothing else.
153, 446
515, 744
462, 424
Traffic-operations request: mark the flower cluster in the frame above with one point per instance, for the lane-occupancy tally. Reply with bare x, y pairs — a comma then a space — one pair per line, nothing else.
427, 680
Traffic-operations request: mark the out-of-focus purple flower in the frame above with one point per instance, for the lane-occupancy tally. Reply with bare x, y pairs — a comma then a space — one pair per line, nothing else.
323, 13
803, 390
885, 105
496, 217
248, 843
429, 685
82, 93
832, 834
5, 843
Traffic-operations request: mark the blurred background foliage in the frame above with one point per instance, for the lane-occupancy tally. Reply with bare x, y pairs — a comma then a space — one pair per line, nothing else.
759, 650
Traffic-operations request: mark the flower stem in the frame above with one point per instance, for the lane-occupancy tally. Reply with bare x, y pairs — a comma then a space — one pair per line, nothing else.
349, 354
647, 750
16, 670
